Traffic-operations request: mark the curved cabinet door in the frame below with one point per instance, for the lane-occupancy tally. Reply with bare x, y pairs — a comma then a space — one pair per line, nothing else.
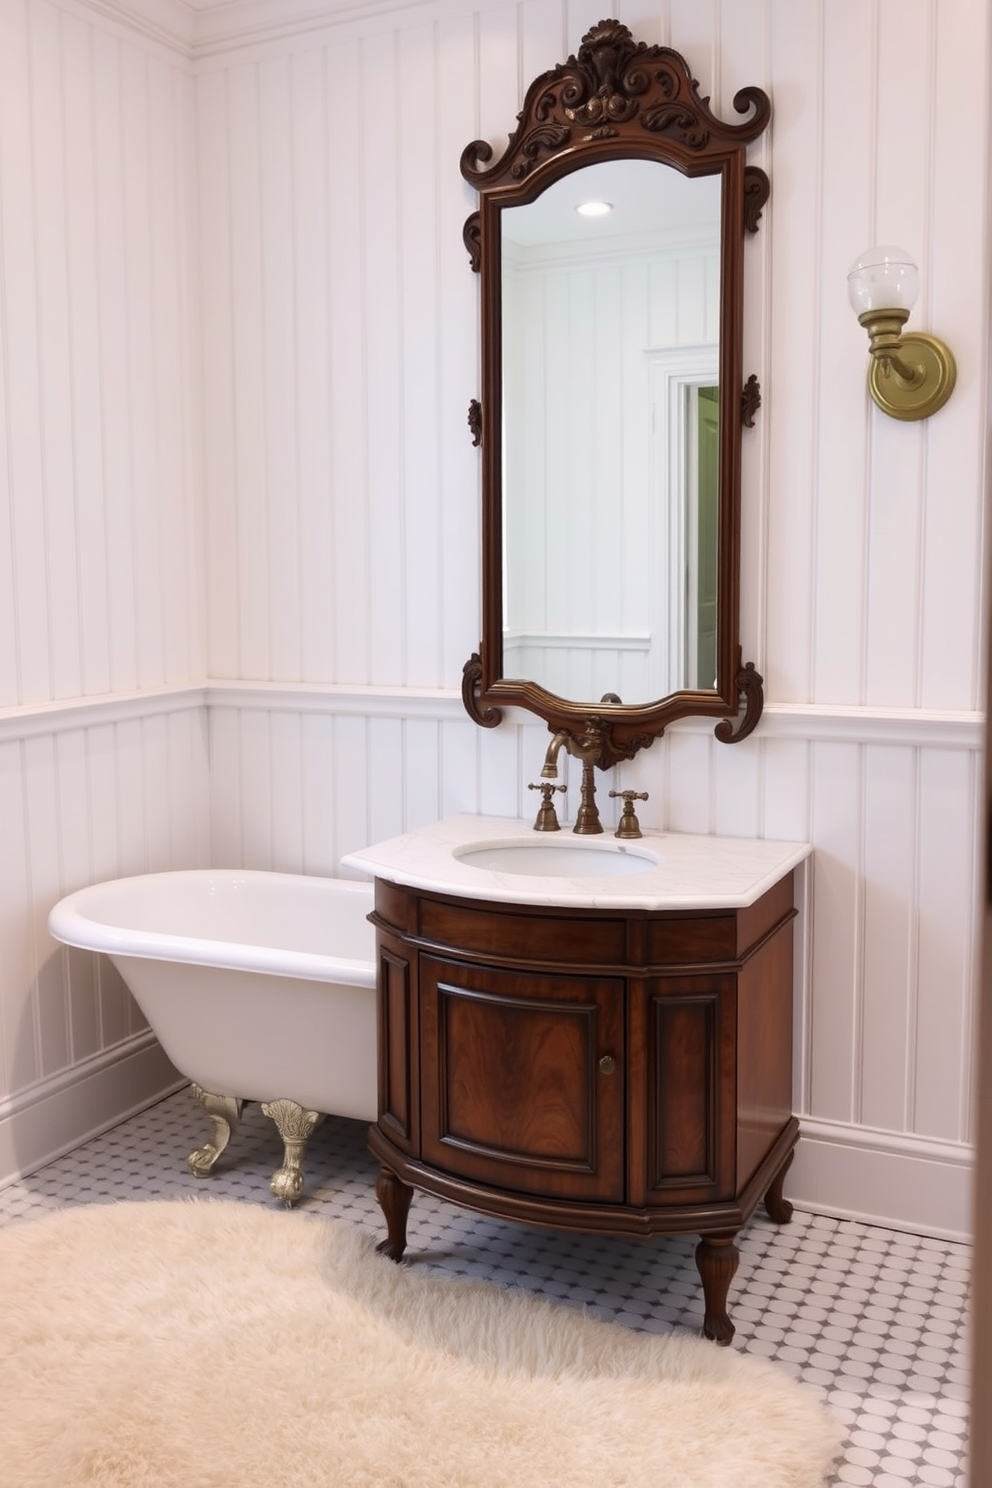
522, 1079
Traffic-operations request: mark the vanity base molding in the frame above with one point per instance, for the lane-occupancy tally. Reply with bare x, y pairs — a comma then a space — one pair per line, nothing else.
618, 1071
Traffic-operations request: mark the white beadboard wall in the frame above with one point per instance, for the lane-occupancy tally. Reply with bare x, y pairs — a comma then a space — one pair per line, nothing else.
340, 352
103, 763
243, 347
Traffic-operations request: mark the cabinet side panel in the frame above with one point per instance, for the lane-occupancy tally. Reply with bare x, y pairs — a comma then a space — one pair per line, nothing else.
764, 1078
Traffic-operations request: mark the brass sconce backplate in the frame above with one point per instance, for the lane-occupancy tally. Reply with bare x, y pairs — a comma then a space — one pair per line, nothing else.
927, 392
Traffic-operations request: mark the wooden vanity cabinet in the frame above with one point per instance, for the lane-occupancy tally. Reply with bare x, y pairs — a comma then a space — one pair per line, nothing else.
619, 1070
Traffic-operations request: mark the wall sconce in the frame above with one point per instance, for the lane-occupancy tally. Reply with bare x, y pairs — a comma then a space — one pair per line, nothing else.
911, 376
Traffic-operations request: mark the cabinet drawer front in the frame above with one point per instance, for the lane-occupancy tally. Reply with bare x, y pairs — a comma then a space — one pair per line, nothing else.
493, 933
523, 1079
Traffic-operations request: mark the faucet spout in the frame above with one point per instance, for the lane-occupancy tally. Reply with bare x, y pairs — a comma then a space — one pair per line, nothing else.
549, 770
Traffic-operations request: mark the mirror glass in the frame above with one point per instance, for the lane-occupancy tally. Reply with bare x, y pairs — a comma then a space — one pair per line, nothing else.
610, 432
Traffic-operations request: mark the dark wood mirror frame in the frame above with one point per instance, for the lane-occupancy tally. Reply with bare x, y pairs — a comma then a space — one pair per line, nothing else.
618, 99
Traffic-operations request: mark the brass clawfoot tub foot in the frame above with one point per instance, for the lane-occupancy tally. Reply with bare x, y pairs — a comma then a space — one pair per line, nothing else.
225, 1113
296, 1125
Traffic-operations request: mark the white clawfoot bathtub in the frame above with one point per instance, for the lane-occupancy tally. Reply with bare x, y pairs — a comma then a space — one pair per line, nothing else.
259, 986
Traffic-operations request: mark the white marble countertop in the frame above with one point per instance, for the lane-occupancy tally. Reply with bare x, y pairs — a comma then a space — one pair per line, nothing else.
683, 872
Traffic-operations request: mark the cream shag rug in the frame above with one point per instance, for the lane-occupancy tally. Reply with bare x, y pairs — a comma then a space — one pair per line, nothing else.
211, 1344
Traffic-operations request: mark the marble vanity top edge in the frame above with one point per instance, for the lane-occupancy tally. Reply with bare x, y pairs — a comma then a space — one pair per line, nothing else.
694, 872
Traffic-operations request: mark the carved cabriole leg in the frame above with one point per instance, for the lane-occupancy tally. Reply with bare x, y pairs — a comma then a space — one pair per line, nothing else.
717, 1259
296, 1125
225, 1113
394, 1200
777, 1208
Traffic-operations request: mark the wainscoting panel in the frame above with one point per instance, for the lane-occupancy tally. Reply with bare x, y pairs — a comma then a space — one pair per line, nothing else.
104, 791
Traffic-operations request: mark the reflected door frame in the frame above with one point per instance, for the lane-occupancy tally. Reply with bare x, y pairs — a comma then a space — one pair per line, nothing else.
675, 376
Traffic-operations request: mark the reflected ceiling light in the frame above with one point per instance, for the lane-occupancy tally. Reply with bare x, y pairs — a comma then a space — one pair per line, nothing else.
910, 376
594, 208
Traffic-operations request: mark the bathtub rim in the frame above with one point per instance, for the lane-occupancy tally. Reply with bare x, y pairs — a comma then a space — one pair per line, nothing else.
71, 925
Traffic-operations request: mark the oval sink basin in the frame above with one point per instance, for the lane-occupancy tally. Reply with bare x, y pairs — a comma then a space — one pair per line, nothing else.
557, 859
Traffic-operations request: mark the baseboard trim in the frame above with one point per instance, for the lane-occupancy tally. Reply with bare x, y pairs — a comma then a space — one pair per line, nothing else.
55, 1117
884, 1178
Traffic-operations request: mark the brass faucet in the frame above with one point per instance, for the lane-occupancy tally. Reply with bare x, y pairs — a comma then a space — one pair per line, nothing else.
586, 749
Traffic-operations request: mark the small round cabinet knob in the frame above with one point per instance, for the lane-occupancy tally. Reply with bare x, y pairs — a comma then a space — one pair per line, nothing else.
607, 1064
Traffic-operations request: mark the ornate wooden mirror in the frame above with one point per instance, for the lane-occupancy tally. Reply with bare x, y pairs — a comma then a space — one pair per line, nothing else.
613, 399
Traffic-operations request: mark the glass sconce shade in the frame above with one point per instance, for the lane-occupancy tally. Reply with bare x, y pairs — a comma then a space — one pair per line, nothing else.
910, 375
883, 278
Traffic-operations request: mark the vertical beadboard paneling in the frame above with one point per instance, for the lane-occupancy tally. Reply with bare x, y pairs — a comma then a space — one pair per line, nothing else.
216, 298
139, 189
171, 355
384, 233
21, 1047
275, 144
840, 467
30, 674
939, 1077
226, 788
83, 328
98, 477
353, 247
288, 802
247, 370
888, 991
81, 804
41, 811
422, 306
354, 784
73, 867
690, 765
311, 139
955, 300
255, 756
793, 222
116, 371
52, 251
838, 929
421, 774
320, 817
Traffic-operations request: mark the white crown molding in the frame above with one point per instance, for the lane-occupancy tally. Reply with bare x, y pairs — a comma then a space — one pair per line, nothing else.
203, 29
228, 25
170, 24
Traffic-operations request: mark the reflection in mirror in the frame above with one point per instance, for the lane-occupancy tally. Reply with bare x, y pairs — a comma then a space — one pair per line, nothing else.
610, 328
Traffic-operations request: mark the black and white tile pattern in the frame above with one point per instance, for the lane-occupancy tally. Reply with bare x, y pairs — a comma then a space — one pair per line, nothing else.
873, 1320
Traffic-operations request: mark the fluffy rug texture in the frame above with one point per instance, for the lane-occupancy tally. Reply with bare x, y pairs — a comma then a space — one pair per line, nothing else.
203, 1343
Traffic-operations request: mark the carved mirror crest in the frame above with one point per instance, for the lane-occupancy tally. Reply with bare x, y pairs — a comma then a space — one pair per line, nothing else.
609, 240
